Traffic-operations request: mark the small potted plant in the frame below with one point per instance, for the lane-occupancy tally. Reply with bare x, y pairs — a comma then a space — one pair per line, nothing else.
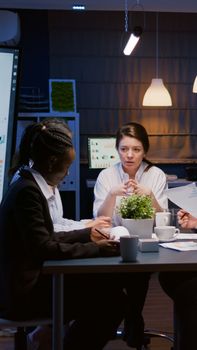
137, 215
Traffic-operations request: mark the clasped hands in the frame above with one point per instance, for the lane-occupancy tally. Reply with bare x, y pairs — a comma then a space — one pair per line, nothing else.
130, 186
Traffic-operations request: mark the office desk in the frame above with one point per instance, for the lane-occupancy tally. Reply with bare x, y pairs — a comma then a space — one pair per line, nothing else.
164, 260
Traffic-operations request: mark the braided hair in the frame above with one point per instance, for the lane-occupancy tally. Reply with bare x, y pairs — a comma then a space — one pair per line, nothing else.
41, 140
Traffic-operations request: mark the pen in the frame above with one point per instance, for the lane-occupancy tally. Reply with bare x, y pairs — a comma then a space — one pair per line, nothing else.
102, 234
185, 214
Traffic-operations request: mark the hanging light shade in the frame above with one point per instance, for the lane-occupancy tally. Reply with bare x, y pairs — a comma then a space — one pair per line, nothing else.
195, 86
157, 94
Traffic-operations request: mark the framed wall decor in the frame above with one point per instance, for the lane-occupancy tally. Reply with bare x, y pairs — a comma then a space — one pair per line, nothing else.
62, 95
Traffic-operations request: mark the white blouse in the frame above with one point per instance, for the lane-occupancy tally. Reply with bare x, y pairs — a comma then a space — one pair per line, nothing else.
53, 198
154, 178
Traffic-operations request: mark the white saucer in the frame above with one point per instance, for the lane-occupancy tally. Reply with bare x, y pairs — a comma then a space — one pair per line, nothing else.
168, 240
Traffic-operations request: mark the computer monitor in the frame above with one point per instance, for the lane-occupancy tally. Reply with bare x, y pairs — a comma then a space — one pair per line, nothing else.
102, 152
9, 69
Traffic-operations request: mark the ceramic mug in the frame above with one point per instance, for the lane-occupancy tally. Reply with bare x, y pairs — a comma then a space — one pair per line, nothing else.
162, 218
166, 233
129, 248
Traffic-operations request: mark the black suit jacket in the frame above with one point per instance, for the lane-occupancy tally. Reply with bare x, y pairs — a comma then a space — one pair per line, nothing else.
27, 239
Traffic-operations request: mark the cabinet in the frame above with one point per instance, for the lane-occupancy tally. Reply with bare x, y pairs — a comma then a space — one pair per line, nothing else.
72, 181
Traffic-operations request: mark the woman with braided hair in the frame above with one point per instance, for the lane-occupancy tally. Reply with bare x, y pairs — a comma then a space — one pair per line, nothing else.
27, 239
23, 158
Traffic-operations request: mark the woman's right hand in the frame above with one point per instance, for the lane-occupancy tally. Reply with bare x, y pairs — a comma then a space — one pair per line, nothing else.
186, 220
108, 246
122, 190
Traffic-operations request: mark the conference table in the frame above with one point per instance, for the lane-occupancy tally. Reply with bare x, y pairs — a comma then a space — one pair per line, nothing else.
163, 260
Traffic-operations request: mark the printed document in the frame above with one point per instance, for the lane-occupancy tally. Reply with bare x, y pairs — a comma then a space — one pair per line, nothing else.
184, 197
180, 246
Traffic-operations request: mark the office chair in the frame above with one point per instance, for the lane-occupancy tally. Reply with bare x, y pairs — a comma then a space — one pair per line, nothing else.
148, 334
20, 340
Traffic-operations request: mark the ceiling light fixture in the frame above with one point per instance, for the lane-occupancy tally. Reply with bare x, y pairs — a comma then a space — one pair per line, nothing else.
78, 7
137, 31
157, 94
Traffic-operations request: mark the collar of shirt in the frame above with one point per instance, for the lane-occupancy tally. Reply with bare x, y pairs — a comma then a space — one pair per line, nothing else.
52, 196
47, 190
138, 175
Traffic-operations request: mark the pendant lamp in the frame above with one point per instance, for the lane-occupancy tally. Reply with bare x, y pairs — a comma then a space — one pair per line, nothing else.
195, 86
157, 94
136, 33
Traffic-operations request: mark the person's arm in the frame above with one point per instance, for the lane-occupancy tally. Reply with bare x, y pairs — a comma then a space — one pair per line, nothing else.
105, 193
143, 190
67, 225
154, 184
155, 203
102, 221
36, 231
107, 207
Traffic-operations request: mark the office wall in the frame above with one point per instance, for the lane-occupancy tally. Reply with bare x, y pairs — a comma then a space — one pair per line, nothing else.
110, 86
34, 45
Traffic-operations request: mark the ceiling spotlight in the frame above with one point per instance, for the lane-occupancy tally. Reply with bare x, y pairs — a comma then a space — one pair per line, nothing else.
78, 7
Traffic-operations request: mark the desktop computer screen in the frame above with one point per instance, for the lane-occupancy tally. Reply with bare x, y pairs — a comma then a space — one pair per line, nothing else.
102, 152
9, 71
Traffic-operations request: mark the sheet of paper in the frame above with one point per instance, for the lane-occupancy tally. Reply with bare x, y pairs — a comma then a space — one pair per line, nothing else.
180, 246
184, 197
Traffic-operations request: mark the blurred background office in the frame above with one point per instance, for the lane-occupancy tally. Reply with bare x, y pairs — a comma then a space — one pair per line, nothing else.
87, 47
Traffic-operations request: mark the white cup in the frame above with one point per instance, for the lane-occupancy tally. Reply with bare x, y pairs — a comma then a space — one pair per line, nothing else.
129, 248
166, 233
163, 218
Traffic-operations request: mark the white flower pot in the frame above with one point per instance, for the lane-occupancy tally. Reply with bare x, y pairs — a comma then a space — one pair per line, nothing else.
141, 227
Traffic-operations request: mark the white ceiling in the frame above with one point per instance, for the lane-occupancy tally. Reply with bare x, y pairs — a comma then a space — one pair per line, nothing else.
105, 5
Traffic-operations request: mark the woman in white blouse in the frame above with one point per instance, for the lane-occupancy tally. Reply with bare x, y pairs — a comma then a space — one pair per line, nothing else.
133, 174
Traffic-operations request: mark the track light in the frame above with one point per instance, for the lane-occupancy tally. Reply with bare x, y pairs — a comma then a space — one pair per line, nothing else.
194, 90
136, 33
133, 40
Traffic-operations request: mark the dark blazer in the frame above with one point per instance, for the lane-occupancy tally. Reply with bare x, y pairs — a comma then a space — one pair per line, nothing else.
27, 239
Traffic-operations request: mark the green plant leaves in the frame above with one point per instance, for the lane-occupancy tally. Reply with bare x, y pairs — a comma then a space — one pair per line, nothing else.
136, 207
62, 96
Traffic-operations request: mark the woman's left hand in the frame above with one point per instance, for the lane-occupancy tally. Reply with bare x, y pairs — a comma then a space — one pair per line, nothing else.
140, 189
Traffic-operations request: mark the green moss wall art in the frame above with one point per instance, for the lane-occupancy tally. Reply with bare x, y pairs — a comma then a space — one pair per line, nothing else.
62, 95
